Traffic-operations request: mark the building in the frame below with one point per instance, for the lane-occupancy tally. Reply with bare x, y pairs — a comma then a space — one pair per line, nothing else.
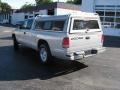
109, 11
5, 17
56, 8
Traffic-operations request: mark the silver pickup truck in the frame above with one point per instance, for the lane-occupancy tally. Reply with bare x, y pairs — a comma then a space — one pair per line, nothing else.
68, 37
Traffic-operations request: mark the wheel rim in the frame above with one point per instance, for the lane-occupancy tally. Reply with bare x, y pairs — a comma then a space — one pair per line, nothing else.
43, 54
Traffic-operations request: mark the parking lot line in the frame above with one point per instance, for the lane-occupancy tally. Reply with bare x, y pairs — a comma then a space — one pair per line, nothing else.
7, 31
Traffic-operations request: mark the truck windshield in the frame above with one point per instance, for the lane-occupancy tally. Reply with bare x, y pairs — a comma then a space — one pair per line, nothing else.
81, 24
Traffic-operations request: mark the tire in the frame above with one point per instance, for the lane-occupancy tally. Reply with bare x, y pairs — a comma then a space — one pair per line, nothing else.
15, 44
44, 54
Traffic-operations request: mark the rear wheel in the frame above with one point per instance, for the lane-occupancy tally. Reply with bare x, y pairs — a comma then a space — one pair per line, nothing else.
44, 54
15, 44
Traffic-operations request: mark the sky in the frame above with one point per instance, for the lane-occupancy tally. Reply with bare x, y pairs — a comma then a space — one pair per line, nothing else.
16, 4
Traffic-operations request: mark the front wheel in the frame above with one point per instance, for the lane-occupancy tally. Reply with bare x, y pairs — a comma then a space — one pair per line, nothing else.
44, 54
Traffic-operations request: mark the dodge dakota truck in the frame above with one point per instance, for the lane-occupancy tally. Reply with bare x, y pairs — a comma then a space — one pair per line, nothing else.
68, 37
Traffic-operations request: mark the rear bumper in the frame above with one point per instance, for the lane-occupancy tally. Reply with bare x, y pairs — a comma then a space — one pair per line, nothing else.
100, 50
82, 54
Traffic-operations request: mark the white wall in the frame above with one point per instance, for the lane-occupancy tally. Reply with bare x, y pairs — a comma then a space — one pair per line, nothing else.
16, 17
43, 12
87, 5
60, 11
111, 31
107, 2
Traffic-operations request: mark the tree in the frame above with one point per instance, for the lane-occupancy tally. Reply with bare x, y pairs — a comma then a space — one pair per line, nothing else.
27, 6
75, 1
39, 2
4, 7
70, 1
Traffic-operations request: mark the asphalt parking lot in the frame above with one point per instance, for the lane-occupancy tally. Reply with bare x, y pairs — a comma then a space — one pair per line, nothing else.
21, 70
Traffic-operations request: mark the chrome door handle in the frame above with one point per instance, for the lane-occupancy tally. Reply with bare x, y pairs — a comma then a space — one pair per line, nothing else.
24, 32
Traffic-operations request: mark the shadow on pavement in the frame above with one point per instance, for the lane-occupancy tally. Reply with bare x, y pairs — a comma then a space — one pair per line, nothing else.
110, 41
23, 65
7, 25
6, 38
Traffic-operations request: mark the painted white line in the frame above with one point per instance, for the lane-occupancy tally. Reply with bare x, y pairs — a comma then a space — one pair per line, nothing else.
7, 31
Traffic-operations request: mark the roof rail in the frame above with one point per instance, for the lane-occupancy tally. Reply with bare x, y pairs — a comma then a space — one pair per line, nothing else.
42, 15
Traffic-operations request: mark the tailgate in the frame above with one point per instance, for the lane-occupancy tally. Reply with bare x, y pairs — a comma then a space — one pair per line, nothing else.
85, 34
85, 41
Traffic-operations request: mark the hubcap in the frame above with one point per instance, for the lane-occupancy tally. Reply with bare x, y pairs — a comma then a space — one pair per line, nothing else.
43, 54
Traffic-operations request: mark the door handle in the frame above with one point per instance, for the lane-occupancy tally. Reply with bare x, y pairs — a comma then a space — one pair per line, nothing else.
87, 38
24, 32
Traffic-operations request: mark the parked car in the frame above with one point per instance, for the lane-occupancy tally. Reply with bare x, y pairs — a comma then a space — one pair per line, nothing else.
68, 37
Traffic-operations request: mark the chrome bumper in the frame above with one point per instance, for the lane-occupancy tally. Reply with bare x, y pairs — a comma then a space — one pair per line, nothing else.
84, 54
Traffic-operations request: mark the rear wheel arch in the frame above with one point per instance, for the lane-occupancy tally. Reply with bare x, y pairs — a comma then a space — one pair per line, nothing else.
44, 44
41, 41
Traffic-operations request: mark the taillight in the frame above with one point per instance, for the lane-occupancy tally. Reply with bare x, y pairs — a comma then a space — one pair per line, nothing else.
66, 42
102, 39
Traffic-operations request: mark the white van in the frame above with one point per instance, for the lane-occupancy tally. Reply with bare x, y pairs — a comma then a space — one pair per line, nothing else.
68, 37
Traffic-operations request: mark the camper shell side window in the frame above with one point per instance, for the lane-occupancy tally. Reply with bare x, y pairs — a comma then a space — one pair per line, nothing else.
50, 25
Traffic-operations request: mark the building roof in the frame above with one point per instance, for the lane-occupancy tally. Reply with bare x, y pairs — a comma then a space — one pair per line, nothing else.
51, 6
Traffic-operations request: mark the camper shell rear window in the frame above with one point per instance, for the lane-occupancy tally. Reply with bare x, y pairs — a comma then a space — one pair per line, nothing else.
83, 24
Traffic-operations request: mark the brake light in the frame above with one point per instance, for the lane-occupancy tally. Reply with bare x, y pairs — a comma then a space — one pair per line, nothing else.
66, 42
102, 39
